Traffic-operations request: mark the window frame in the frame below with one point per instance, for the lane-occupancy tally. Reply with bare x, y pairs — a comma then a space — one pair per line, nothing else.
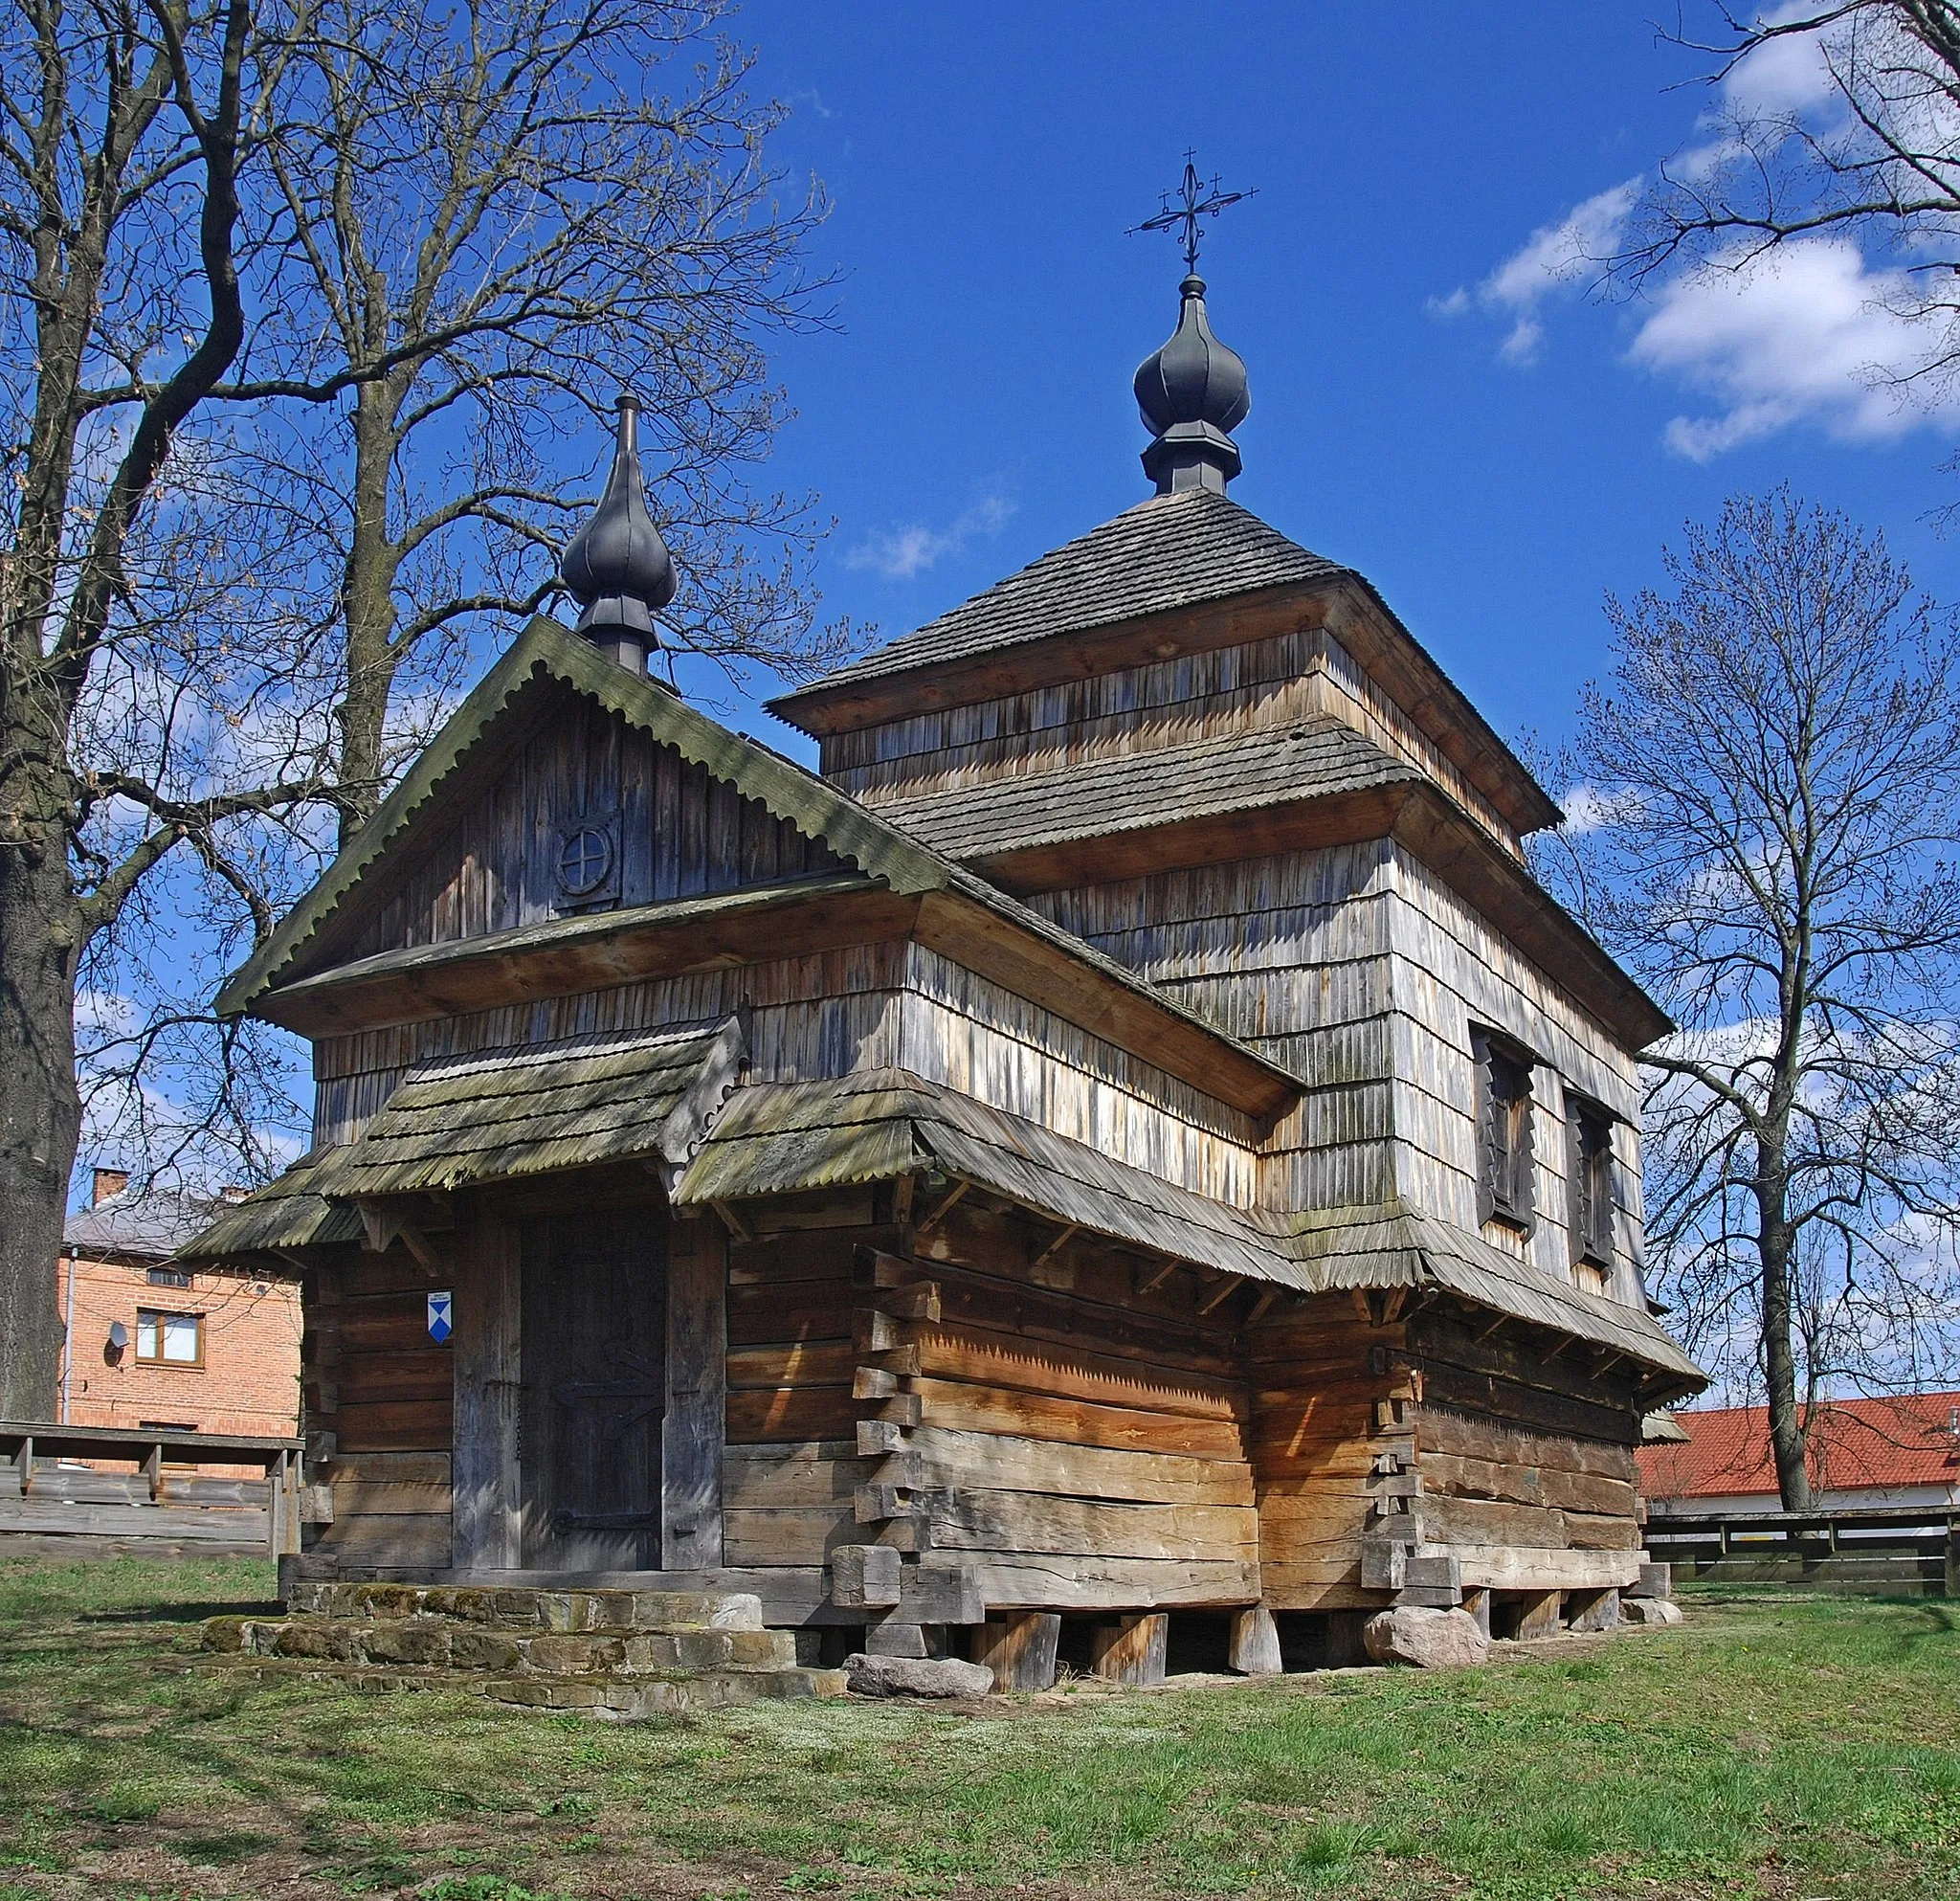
1593, 1221
158, 1315
161, 1276
1506, 1185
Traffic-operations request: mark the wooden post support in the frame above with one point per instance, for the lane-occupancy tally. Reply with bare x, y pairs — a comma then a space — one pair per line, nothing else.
1132, 1650
153, 1472
896, 1640
1592, 1610
1345, 1648
1539, 1616
692, 1432
1255, 1643
1952, 1583
24, 1461
1478, 1603
276, 1509
1019, 1648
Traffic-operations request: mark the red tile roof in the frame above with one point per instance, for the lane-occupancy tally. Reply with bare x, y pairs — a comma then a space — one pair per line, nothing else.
1854, 1443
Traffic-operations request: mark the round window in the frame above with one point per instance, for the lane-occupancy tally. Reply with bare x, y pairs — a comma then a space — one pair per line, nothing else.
585, 861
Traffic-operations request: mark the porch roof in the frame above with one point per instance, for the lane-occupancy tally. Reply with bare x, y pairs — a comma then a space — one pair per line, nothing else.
1395, 1245
778, 1138
495, 1115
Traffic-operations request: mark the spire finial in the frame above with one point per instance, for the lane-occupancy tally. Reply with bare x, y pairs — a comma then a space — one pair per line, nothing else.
618, 567
1193, 391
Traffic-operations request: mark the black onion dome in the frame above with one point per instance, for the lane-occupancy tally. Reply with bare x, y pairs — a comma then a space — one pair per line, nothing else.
618, 567
1193, 378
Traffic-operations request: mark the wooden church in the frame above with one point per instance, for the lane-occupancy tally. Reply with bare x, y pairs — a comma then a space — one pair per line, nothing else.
1126, 1147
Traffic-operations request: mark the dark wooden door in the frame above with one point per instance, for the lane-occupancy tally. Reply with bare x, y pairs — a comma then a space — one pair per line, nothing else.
594, 1346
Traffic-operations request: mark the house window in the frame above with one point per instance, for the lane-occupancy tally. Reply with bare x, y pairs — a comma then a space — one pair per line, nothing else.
1504, 1130
170, 1277
1592, 1185
169, 1339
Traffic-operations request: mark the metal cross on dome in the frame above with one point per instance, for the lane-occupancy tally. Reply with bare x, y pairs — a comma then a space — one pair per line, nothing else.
1194, 200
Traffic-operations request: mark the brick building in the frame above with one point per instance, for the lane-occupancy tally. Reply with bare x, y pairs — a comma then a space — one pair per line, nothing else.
151, 1343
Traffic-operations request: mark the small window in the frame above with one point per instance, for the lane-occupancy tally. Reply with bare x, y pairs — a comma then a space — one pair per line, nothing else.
169, 1339
1504, 1130
170, 1277
1592, 1185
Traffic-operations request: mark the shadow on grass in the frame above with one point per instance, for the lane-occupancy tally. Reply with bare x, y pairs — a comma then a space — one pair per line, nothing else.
188, 1613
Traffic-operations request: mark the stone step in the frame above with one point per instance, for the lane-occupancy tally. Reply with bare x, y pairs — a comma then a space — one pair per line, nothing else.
620, 1698
433, 1639
526, 1608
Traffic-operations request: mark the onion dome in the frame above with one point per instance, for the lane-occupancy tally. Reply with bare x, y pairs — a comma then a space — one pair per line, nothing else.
617, 567
1192, 392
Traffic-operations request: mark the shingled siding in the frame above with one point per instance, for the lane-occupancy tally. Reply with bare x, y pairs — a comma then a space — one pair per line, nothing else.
1450, 968
892, 1006
1292, 953
1361, 972
1305, 674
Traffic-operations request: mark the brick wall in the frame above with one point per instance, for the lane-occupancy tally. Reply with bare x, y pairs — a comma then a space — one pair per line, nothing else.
248, 1383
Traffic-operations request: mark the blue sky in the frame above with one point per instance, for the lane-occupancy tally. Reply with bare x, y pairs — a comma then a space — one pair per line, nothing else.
1431, 403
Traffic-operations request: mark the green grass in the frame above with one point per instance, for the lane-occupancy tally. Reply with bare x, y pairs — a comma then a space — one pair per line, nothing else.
1782, 1747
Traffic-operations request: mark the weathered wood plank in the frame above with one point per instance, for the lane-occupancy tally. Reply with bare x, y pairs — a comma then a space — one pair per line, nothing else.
1013, 1581
968, 1408
963, 1520
693, 1428
1008, 1463
487, 1319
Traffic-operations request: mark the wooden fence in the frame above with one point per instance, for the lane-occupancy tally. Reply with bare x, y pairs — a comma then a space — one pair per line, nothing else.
46, 1493
1911, 1548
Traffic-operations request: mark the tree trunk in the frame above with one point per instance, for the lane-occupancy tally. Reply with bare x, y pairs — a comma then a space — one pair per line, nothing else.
40, 1110
1788, 1442
369, 606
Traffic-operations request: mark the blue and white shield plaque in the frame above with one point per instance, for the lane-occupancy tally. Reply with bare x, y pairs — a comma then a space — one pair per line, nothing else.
438, 1317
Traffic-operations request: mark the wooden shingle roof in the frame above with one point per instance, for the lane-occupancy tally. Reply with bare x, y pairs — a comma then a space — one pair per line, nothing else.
1136, 791
778, 1138
501, 1114
1168, 552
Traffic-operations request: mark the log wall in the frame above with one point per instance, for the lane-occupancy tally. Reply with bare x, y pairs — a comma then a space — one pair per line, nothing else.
1331, 1440
378, 1413
1037, 1421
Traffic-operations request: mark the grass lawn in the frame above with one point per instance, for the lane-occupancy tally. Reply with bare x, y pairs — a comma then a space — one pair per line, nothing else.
1778, 1746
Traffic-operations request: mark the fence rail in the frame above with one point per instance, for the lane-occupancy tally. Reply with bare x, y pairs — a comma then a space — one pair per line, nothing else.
1902, 1548
41, 1497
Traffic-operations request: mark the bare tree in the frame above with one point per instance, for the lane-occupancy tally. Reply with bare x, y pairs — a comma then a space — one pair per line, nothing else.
500, 215
1769, 787
124, 136
307, 310
1858, 136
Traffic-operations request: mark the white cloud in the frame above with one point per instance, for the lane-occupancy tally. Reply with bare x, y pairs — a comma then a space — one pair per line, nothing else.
1588, 807
898, 554
1556, 258
1806, 333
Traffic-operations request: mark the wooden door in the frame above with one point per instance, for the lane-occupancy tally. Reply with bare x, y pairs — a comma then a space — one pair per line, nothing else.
594, 1346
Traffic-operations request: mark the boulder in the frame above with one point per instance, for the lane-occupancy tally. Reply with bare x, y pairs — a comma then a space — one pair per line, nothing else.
1431, 1640
1648, 1611
916, 1676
